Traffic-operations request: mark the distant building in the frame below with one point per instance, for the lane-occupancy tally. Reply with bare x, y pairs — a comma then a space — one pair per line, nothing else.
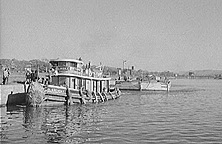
191, 75
219, 76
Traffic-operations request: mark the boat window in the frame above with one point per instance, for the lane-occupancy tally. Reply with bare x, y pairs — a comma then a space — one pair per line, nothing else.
79, 83
74, 83
73, 64
62, 64
62, 81
84, 83
55, 81
54, 63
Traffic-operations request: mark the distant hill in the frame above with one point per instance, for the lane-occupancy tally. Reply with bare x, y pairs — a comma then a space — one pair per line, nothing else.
20, 65
202, 72
43, 64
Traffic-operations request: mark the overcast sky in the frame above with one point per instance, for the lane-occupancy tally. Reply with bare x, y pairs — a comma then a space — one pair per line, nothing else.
155, 35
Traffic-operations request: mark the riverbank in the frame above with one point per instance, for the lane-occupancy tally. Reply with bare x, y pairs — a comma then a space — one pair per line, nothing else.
18, 77
13, 92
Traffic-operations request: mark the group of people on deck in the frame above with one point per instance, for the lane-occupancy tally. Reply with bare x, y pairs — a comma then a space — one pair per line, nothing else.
32, 76
85, 95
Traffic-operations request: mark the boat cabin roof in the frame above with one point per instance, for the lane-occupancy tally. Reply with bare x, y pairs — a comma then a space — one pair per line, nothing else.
84, 77
67, 60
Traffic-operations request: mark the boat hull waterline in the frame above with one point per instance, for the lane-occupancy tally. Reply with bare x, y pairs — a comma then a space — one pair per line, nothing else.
54, 95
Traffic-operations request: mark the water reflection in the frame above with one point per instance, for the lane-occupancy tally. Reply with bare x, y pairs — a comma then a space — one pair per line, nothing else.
53, 124
59, 123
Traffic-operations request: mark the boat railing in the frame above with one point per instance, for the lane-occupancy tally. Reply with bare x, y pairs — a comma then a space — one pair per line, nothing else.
93, 74
66, 69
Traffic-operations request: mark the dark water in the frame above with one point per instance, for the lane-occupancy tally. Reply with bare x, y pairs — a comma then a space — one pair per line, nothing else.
190, 113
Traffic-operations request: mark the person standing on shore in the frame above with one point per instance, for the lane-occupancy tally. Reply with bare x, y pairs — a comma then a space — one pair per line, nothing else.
8, 76
28, 76
5, 76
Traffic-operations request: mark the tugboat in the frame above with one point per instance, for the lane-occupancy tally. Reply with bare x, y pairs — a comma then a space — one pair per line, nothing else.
72, 82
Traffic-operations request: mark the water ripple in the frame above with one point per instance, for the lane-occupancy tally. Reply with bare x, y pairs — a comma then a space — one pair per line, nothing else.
190, 113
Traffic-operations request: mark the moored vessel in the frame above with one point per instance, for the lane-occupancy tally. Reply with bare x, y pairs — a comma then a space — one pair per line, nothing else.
70, 81
154, 83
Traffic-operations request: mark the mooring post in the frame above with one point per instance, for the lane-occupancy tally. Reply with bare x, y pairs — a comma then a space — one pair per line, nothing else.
67, 98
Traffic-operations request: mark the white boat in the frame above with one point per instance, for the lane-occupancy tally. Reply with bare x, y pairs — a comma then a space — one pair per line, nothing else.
153, 84
72, 82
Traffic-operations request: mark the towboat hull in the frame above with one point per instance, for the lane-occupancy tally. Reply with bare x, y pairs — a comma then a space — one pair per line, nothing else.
57, 95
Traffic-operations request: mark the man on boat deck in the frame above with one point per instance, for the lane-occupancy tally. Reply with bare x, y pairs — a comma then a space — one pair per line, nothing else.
82, 99
104, 94
8, 75
68, 97
34, 76
89, 95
